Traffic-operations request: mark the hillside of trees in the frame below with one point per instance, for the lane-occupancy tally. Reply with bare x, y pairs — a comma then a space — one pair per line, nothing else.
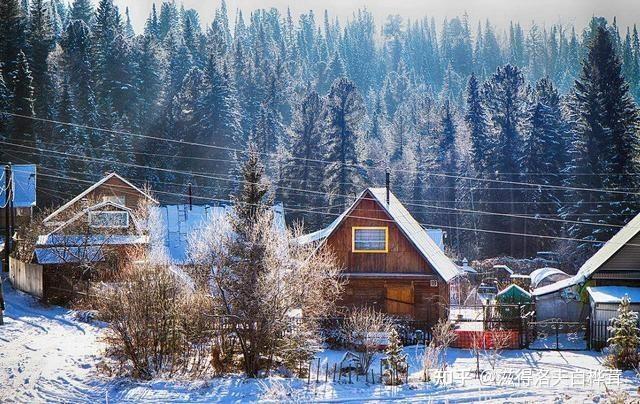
512, 141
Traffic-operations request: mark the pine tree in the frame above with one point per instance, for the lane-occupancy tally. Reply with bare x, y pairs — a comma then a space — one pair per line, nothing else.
447, 163
543, 157
301, 172
345, 114
41, 43
505, 97
82, 10
476, 120
626, 338
253, 199
23, 132
604, 122
396, 360
12, 32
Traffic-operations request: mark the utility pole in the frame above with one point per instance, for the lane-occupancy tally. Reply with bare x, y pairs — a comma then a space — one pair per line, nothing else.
8, 197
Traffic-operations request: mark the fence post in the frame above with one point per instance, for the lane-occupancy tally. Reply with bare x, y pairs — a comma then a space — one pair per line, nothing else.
588, 333
334, 372
373, 379
309, 375
326, 372
557, 344
318, 372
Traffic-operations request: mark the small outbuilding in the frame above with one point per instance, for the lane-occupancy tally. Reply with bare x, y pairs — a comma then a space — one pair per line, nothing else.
509, 297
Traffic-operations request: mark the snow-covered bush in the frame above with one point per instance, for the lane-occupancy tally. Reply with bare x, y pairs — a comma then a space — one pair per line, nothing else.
395, 364
365, 330
625, 341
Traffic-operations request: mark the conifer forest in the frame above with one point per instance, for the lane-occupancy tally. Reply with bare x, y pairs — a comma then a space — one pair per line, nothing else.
512, 140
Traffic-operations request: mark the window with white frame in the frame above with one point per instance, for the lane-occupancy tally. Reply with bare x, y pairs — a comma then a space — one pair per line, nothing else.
119, 199
109, 219
370, 239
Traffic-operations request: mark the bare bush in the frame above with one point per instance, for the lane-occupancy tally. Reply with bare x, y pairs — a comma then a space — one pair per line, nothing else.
365, 330
154, 326
499, 341
442, 336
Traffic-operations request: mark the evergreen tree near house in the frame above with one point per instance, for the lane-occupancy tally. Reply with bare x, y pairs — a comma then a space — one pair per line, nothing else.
345, 114
395, 362
447, 165
625, 341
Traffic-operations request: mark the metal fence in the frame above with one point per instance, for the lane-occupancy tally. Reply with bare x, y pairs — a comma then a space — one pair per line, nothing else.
557, 335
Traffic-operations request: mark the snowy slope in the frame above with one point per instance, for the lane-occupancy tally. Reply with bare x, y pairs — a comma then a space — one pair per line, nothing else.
46, 354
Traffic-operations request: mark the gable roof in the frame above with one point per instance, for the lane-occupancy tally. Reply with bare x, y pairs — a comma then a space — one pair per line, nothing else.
407, 224
93, 187
94, 207
516, 287
23, 186
608, 250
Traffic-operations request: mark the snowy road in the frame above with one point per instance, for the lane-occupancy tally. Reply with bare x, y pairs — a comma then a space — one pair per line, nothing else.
47, 355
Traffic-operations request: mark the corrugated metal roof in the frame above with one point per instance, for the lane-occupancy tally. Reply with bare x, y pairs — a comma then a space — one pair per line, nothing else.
66, 255
181, 221
407, 224
613, 294
601, 256
23, 186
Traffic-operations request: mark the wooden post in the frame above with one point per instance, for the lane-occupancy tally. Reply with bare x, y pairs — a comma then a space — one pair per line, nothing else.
326, 372
318, 372
309, 375
373, 379
557, 345
335, 365
349, 375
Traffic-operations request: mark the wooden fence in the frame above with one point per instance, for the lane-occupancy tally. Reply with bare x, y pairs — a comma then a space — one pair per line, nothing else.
26, 277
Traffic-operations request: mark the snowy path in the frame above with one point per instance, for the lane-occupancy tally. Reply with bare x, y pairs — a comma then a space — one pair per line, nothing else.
47, 355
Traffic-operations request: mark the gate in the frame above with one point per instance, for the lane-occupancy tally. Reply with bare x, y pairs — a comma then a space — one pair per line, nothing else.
557, 335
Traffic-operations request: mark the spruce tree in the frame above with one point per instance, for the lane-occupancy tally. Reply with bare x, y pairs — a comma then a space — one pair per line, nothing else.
82, 10
12, 32
306, 145
447, 164
476, 120
604, 122
505, 97
23, 132
626, 338
345, 114
396, 360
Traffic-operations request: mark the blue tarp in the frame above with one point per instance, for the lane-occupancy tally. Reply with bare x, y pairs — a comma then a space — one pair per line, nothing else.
24, 186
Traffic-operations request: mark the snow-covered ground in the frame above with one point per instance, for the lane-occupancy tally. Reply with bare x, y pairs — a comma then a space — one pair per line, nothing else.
47, 354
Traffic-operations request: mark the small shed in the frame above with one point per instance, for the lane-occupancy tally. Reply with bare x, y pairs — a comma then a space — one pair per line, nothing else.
512, 295
605, 300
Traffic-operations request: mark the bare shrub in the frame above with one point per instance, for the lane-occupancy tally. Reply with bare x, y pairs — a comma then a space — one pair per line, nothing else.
365, 330
442, 336
154, 326
499, 341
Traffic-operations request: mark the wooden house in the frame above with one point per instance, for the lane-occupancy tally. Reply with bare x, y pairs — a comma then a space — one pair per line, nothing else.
388, 259
616, 263
112, 188
97, 229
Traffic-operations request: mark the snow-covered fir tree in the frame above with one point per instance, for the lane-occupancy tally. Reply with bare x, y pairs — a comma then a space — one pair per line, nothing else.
625, 339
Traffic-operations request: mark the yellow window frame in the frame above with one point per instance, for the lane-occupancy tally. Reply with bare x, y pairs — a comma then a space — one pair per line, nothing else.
386, 239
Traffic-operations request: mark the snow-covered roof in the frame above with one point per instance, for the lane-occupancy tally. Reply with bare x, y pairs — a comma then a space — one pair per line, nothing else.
92, 208
91, 188
90, 239
619, 240
505, 267
613, 294
23, 186
407, 224
541, 274
65, 255
180, 221
513, 286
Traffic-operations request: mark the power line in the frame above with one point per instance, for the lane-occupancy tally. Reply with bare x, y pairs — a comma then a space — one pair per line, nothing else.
322, 193
456, 176
427, 225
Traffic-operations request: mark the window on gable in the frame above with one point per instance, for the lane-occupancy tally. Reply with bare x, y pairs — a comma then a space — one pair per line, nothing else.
111, 219
370, 239
119, 199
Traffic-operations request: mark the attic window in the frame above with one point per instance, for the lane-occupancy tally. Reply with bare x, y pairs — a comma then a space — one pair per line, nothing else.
119, 199
370, 239
110, 219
